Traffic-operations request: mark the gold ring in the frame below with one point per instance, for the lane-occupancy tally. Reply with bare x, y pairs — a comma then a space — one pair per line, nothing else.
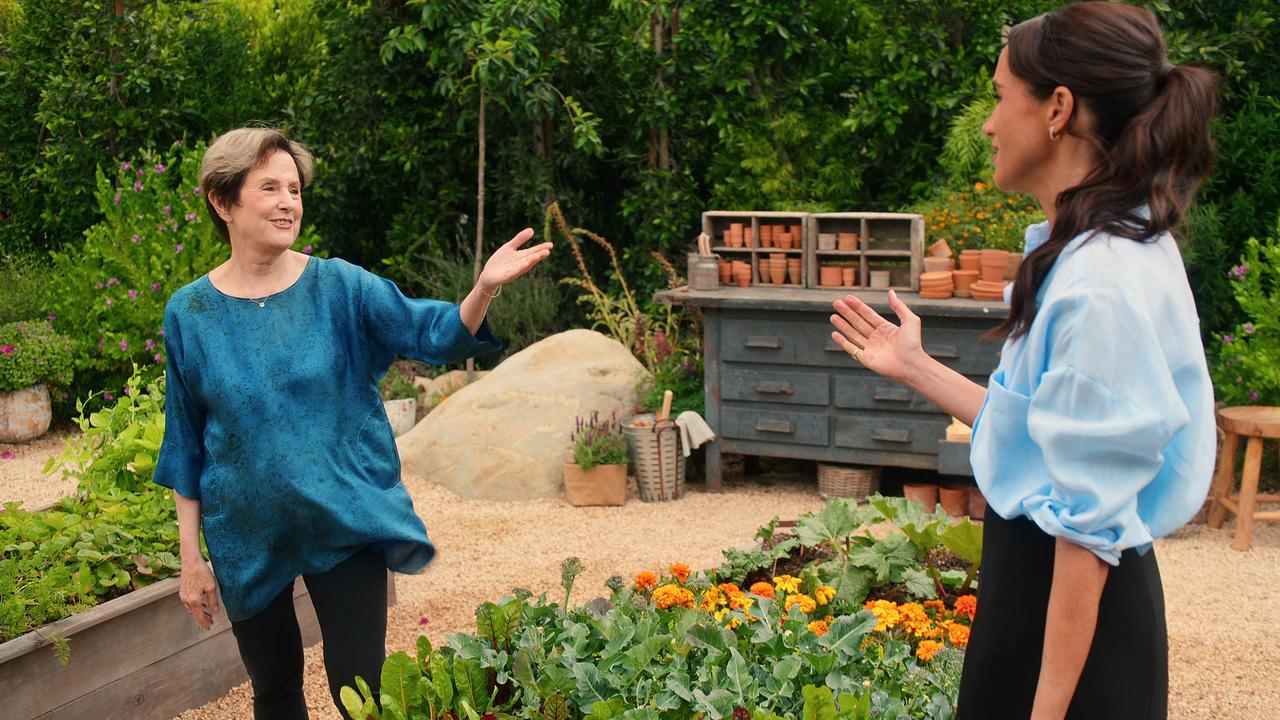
856, 353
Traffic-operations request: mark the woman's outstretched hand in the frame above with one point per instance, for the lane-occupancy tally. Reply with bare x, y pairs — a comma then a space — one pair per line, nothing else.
511, 261
878, 344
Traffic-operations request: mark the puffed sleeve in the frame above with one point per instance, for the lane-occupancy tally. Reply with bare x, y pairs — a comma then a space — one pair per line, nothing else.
182, 450
1102, 414
428, 330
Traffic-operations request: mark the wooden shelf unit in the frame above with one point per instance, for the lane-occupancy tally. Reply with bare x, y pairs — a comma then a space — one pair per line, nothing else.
892, 241
715, 222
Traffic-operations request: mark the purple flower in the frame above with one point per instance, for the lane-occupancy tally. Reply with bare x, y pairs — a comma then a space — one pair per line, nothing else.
1238, 272
161, 332
136, 240
151, 344
159, 169
101, 343
99, 286
117, 198
124, 344
108, 395
133, 294
138, 172
177, 143
137, 186
161, 228
112, 281
1253, 396
166, 209
192, 217
196, 191
126, 389
1248, 328
6, 349
6, 455
1227, 339
126, 165
308, 250
177, 248
109, 303
156, 357
52, 317
155, 287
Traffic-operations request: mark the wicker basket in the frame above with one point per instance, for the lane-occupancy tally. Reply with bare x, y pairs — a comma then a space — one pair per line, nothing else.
656, 455
847, 481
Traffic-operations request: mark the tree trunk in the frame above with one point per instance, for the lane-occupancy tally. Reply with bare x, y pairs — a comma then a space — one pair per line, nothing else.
659, 137
479, 249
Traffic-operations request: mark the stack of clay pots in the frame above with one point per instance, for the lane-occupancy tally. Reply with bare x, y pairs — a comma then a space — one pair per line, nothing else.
936, 285
741, 273
735, 236
793, 270
777, 264
994, 263
783, 237
725, 269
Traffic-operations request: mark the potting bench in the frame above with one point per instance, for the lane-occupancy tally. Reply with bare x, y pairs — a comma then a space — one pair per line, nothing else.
777, 385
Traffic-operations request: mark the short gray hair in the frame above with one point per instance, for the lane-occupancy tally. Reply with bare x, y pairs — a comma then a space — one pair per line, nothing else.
233, 154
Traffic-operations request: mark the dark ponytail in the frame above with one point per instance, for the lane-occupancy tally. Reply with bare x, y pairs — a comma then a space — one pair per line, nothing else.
1151, 129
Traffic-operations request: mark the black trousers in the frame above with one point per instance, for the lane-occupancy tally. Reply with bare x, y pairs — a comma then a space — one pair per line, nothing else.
351, 605
1126, 675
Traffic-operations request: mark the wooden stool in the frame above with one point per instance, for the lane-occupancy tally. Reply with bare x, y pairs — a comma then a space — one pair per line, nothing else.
1255, 423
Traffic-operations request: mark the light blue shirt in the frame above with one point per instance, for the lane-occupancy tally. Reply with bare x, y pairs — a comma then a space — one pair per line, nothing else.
1098, 423
274, 423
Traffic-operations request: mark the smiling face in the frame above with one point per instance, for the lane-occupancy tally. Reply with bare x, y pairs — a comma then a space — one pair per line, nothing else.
269, 213
1019, 132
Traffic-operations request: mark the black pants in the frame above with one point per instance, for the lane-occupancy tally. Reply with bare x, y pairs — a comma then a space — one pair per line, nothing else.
1126, 675
351, 605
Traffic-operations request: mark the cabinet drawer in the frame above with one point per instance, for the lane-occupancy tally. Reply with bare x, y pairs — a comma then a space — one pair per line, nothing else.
878, 432
961, 349
767, 341
778, 386
877, 393
783, 427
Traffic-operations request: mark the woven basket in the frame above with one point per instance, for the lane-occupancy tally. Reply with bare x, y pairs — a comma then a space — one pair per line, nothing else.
847, 481
657, 458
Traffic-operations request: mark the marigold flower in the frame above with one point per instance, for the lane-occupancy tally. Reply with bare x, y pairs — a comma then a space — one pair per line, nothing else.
967, 605
741, 602
669, 596
680, 571
819, 628
887, 615
806, 603
787, 584
763, 589
958, 635
824, 594
645, 581
729, 589
720, 614
710, 599
979, 186
928, 649
937, 605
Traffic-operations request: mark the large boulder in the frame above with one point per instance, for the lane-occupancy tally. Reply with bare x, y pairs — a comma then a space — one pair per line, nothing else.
506, 436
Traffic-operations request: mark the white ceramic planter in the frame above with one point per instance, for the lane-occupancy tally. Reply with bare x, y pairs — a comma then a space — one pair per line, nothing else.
24, 414
402, 414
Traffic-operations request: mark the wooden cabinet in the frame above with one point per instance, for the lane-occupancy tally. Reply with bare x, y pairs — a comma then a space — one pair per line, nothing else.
777, 385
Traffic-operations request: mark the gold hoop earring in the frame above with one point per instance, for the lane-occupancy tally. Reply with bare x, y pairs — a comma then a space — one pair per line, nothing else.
1053, 134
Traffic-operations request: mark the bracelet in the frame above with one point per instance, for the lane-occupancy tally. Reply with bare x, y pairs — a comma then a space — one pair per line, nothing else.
493, 295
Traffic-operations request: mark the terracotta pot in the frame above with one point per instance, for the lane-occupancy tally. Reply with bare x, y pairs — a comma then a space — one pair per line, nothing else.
601, 485
977, 503
970, 260
793, 272
955, 500
940, 249
1011, 270
846, 276
778, 274
784, 241
847, 241
766, 234
725, 270
24, 414
735, 235
937, 264
829, 276
923, 494
746, 237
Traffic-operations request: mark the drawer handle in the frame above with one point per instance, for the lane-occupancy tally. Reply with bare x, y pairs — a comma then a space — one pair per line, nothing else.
775, 388
886, 435
893, 394
770, 342
774, 426
943, 351
833, 348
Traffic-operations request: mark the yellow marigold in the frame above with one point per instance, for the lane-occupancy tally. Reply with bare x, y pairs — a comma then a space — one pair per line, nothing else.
787, 584
819, 628
739, 601
806, 603
669, 596
958, 635
710, 599
824, 594
646, 581
680, 571
928, 649
967, 605
721, 613
763, 589
887, 615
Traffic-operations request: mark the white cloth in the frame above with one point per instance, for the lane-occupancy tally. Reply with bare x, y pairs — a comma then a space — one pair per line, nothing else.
694, 431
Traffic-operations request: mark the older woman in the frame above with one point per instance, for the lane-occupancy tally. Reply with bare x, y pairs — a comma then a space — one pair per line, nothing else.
1095, 435
276, 442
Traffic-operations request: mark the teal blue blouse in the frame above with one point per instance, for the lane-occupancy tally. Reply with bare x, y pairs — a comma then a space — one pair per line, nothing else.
1098, 424
274, 423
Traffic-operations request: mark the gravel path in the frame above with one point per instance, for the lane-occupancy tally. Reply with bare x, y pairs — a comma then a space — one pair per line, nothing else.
1224, 643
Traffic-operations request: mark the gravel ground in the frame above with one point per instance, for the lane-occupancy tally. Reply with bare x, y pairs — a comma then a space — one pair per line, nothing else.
22, 476
1224, 645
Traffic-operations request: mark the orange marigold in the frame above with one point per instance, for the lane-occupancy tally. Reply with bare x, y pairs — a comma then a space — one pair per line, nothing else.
935, 605
887, 615
646, 581
669, 596
967, 605
928, 649
680, 571
728, 589
806, 603
958, 635
819, 627
763, 589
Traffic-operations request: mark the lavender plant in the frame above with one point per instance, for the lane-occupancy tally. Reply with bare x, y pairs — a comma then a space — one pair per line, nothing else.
597, 442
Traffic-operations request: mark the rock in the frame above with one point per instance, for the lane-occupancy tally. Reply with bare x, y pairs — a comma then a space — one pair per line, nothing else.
448, 383
506, 436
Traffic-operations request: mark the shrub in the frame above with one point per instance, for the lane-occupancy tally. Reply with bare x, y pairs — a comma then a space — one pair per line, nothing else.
397, 384
109, 293
25, 279
598, 443
31, 353
1247, 368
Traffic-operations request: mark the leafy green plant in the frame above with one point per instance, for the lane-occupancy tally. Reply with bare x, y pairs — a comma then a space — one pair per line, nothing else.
31, 353
1246, 370
596, 442
26, 279
397, 384
676, 367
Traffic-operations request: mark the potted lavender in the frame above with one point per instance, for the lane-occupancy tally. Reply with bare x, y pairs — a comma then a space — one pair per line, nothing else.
598, 473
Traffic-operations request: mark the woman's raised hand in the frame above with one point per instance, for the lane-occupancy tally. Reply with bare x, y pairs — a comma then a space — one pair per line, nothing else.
512, 260
875, 342
199, 593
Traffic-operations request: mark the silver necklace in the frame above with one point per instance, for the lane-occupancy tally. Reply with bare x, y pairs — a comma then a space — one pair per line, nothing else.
262, 301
